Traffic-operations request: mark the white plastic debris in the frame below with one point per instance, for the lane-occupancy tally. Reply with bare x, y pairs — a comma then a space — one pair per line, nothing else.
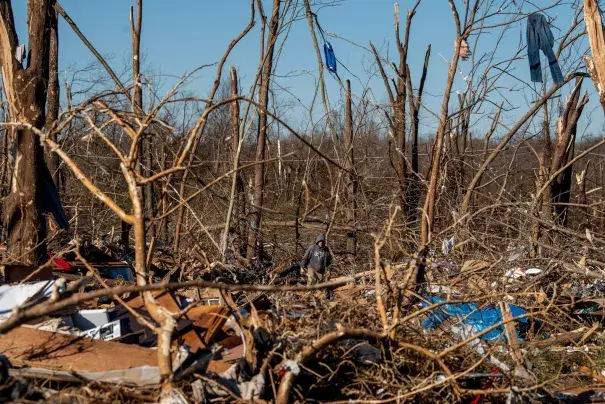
20, 53
292, 367
234, 379
197, 388
515, 273
252, 390
516, 254
589, 235
173, 396
519, 272
12, 296
443, 289
533, 271
447, 246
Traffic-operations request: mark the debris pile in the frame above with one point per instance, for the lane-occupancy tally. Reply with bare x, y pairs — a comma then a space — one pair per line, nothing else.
474, 329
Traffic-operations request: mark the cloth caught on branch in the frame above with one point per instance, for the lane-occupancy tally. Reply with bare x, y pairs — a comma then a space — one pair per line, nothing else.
20, 53
465, 49
540, 37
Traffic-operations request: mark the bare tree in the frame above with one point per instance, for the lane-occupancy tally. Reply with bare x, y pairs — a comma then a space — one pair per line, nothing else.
398, 100
255, 236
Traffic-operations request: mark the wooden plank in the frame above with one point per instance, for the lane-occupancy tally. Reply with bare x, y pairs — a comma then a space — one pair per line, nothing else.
41, 349
208, 322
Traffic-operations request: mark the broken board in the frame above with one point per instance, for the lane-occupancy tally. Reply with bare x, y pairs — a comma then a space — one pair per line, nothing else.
90, 358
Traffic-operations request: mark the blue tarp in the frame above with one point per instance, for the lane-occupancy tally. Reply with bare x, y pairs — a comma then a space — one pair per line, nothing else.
468, 314
330, 57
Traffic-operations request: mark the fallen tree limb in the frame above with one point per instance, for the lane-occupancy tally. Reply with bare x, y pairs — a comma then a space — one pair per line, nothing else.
42, 309
283, 394
307, 354
585, 272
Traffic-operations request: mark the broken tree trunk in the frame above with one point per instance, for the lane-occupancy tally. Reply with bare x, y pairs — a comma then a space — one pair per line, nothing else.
413, 189
560, 187
399, 108
397, 96
26, 90
464, 206
53, 103
596, 37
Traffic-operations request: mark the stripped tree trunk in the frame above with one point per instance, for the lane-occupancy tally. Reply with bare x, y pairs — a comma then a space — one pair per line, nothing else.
351, 211
236, 209
583, 197
26, 94
255, 237
464, 206
145, 160
53, 103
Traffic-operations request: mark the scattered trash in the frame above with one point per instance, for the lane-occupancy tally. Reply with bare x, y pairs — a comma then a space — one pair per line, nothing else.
61, 264
519, 272
123, 273
107, 332
443, 289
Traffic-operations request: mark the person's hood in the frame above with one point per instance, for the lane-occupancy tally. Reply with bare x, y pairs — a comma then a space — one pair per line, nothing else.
319, 238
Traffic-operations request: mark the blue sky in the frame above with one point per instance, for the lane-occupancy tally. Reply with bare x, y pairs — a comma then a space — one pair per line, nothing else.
180, 35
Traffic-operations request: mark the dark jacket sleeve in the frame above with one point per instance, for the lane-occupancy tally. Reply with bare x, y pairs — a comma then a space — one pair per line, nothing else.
305, 259
328, 259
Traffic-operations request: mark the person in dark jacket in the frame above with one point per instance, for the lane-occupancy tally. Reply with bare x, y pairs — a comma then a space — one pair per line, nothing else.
317, 261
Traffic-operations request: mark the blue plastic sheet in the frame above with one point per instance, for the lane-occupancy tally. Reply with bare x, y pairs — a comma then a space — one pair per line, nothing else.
330, 57
468, 314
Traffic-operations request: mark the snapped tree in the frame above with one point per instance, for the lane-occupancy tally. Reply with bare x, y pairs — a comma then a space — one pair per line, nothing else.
26, 91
